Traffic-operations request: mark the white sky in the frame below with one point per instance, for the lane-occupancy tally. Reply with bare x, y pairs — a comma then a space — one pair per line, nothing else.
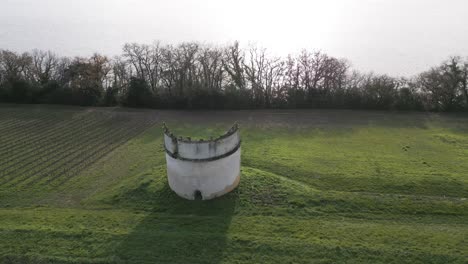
399, 37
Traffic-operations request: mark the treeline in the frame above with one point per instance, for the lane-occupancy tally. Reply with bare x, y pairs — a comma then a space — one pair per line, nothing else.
197, 76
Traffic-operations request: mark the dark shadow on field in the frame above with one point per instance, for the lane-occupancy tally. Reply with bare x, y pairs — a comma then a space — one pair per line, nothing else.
180, 231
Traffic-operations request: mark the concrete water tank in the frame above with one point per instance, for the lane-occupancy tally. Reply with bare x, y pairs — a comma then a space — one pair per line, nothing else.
203, 169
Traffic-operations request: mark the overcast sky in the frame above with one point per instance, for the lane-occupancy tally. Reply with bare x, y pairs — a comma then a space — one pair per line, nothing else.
398, 37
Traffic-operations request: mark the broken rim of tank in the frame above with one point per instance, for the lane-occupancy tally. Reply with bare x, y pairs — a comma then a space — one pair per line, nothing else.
228, 133
212, 141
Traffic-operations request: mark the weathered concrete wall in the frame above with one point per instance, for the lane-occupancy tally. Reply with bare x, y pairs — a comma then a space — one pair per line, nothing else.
211, 178
209, 167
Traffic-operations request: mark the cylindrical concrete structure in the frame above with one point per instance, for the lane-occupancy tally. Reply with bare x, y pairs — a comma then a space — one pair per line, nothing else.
206, 169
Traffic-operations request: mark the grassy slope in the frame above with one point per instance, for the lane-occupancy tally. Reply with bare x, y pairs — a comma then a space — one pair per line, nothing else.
365, 189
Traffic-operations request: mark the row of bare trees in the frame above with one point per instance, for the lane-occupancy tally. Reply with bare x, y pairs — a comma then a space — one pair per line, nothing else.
192, 75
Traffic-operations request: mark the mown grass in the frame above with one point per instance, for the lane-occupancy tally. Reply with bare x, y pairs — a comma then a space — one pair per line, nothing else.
316, 187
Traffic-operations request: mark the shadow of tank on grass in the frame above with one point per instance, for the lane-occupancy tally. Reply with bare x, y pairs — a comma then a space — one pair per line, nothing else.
176, 230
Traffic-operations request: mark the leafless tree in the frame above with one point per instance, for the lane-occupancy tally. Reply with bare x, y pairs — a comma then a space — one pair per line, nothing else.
44, 66
312, 69
263, 74
234, 65
14, 65
211, 62
146, 60
446, 83
121, 73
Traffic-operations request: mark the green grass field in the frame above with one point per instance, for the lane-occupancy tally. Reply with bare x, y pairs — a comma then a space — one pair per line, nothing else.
88, 185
